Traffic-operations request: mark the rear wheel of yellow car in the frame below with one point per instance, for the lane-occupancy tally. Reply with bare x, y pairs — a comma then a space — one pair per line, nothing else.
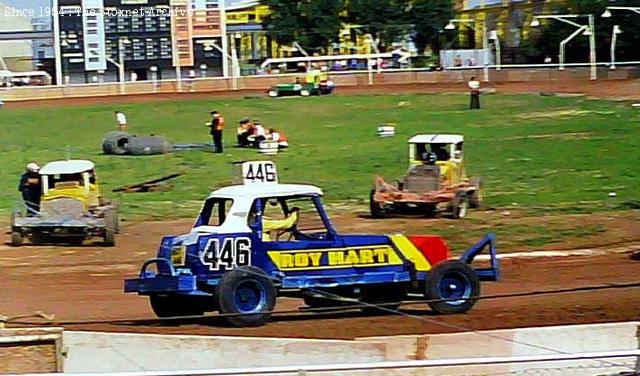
374, 206
460, 205
477, 195
16, 239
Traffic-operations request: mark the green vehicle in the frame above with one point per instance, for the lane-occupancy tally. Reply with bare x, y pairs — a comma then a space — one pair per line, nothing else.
316, 83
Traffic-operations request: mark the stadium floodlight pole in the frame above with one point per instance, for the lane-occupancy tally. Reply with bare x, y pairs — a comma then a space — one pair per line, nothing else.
586, 30
485, 40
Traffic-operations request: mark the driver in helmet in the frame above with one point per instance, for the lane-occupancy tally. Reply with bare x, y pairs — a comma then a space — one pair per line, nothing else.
31, 188
429, 160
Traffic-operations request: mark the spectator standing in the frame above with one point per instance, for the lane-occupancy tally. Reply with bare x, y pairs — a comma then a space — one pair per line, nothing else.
121, 119
474, 91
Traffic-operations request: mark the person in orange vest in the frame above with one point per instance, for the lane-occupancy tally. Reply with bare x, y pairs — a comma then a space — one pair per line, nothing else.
279, 137
217, 126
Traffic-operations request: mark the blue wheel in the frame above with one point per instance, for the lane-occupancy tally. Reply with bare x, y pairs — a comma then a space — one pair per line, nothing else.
452, 287
246, 296
250, 297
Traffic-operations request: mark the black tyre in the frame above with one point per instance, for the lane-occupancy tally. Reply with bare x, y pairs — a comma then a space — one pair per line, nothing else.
111, 227
452, 287
374, 207
477, 195
109, 238
247, 296
460, 205
148, 145
16, 239
116, 142
175, 306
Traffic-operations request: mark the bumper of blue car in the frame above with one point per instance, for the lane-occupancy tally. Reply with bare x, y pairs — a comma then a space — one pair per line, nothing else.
150, 284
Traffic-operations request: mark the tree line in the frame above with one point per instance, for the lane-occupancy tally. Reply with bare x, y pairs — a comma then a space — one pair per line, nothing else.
316, 24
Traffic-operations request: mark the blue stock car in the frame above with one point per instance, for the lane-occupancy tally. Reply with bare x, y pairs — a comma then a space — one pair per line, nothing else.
254, 242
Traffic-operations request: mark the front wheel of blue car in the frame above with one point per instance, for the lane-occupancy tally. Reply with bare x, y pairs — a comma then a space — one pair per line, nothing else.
452, 287
246, 296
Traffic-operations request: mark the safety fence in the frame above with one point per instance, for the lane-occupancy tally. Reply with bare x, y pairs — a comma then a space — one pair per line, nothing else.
493, 73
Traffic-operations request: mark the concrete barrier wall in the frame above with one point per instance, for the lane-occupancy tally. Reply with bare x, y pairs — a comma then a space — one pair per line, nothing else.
89, 352
523, 341
345, 80
113, 352
42, 351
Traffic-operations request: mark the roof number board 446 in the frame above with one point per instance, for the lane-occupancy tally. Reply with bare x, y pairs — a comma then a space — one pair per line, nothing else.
262, 172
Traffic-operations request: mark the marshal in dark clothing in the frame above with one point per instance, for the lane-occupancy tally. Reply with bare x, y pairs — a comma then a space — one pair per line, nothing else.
31, 188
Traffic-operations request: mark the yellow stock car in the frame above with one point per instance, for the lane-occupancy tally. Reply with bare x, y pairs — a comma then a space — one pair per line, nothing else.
436, 180
71, 208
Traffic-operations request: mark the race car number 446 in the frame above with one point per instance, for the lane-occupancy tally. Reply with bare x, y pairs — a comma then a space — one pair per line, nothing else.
259, 172
233, 252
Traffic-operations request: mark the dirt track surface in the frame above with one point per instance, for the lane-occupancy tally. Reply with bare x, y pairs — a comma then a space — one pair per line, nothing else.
83, 287
612, 89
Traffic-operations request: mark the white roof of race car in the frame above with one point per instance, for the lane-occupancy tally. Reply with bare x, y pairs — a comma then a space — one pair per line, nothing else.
436, 139
72, 166
253, 191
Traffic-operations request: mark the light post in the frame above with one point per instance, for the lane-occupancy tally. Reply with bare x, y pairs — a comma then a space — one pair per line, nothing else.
210, 45
586, 30
614, 39
493, 36
65, 64
485, 41
616, 30
154, 77
121, 43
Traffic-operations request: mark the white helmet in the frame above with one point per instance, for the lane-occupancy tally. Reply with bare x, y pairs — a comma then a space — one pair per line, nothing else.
33, 167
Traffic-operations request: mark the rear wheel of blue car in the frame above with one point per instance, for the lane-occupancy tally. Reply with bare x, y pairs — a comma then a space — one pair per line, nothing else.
172, 305
246, 296
452, 287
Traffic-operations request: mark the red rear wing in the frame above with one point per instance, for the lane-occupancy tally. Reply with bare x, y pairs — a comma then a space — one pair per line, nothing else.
433, 248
